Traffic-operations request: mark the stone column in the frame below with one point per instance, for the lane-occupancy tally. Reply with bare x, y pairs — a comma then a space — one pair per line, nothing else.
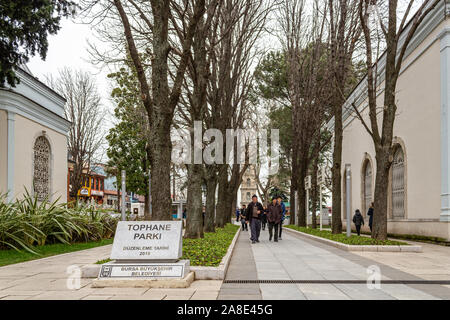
444, 37
11, 153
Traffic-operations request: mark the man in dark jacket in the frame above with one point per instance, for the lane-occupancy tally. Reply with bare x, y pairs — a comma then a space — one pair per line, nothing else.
274, 217
283, 214
244, 223
253, 216
370, 214
358, 220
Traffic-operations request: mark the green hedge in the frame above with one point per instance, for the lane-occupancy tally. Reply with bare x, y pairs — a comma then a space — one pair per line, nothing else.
342, 238
27, 223
210, 250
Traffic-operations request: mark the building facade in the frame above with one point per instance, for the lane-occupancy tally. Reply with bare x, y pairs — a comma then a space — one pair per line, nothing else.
33, 140
419, 186
248, 186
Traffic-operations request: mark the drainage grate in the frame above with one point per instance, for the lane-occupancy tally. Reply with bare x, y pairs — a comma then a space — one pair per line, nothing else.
406, 282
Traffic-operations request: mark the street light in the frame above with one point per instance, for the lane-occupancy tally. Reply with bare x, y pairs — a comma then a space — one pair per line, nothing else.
347, 197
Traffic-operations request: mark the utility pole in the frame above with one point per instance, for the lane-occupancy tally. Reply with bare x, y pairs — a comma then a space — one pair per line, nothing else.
150, 192
124, 217
307, 187
320, 182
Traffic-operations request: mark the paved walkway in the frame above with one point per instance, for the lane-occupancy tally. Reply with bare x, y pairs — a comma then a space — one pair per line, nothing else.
298, 258
46, 279
293, 258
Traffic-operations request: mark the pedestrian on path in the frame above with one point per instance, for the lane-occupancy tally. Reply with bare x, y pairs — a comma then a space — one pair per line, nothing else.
238, 213
370, 214
244, 221
274, 217
358, 220
283, 213
264, 218
253, 216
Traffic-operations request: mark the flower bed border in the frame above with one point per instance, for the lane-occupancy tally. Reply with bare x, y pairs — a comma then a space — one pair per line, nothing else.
367, 248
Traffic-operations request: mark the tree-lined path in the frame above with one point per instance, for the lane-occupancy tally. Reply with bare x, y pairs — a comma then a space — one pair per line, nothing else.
298, 258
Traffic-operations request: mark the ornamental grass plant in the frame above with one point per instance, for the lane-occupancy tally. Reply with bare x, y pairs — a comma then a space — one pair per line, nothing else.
28, 222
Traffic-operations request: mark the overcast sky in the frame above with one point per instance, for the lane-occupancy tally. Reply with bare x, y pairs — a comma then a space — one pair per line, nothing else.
68, 48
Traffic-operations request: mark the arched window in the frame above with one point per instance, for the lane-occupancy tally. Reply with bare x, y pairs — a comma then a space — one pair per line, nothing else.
398, 184
367, 176
248, 183
41, 174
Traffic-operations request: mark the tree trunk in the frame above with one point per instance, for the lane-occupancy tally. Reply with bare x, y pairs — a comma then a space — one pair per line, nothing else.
221, 210
160, 171
211, 186
292, 204
336, 220
379, 229
194, 220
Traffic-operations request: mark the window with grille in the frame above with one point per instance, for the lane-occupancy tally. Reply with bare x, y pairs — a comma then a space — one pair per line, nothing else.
398, 184
41, 174
367, 186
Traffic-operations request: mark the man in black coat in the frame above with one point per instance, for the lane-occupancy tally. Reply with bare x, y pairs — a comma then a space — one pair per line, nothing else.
254, 212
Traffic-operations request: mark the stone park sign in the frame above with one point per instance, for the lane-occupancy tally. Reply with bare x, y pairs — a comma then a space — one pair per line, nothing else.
148, 240
146, 250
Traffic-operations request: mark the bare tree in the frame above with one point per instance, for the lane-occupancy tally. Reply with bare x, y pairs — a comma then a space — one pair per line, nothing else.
303, 40
395, 52
344, 30
147, 31
83, 110
236, 31
195, 104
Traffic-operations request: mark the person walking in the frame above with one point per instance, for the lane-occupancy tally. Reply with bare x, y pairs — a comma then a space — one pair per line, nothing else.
264, 218
274, 216
253, 216
283, 214
358, 220
370, 214
244, 221
238, 213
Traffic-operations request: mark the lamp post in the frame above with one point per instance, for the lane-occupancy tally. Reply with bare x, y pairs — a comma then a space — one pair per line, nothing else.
307, 187
320, 182
347, 198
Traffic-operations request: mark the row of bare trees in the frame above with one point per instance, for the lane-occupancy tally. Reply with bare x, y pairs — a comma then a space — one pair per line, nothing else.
325, 42
193, 61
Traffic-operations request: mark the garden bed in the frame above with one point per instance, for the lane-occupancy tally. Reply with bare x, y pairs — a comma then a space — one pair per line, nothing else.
354, 243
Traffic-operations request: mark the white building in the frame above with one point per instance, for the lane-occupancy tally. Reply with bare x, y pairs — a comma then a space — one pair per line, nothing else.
33, 140
419, 187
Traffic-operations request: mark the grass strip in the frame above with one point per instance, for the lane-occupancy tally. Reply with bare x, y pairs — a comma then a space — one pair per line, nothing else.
8, 257
342, 238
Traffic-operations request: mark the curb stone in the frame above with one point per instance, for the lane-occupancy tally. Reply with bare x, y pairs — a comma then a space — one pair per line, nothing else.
347, 247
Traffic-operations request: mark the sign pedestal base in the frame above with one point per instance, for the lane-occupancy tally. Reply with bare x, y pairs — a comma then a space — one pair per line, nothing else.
145, 274
144, 282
